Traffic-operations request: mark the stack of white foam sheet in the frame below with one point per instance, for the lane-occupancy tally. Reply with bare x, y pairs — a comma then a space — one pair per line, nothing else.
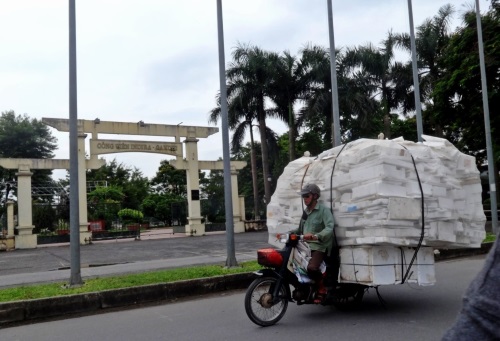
386, 265
390, 193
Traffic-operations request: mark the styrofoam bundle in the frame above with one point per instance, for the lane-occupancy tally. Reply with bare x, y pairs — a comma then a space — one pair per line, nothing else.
388, 223
385, 265
382, 231
391, 241
377, 189
375, 204
374, 184
424, 274
346, 220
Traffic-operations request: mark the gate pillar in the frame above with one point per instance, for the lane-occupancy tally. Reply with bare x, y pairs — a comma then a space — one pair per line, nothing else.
239, 225
25, 238
195, 226
85, 235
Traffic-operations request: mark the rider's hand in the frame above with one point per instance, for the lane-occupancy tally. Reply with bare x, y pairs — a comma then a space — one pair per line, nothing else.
309, 236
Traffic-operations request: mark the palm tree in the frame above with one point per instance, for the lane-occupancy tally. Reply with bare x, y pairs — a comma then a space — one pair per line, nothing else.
249, 77
357, 107
391, 79
431, 40
241, 115
250, 74
288, 86
318, 97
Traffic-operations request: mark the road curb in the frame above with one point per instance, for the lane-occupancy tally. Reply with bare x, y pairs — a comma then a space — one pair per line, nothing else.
26, 311
21, 312
446, 254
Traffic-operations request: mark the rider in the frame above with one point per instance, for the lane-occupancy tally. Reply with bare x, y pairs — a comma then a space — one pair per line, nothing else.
317, 227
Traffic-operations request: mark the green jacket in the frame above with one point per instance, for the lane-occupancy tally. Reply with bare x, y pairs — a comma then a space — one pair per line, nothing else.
319, 222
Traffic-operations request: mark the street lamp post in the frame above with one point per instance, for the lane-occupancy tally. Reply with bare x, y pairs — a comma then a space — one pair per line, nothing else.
231, 256
489, 149
74, 218
333, 75
416, 85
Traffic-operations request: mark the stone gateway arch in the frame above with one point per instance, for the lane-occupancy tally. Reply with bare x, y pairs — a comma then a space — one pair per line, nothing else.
187, 161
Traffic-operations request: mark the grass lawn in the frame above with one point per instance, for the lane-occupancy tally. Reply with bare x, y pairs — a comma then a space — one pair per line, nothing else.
490, 237
126, 281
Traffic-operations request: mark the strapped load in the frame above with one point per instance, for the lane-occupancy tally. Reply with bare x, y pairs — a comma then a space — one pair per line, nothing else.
389, 193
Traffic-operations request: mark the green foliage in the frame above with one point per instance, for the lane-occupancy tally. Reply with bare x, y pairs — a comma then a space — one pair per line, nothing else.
213, 206
253, 200
103, 203
458, 92
169, 180
490, 237
23, 137
167, 207
406, 128
44, 217
311, 142
250, 79
111, 193
128, 186
130, 215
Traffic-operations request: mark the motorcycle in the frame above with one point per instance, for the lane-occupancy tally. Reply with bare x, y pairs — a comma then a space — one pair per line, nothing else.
267, 297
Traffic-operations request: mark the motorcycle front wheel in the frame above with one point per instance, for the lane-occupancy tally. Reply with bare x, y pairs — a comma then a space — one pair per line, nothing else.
260, 305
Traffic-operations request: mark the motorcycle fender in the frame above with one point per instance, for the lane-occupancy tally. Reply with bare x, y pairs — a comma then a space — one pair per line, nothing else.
272, 273
267, 273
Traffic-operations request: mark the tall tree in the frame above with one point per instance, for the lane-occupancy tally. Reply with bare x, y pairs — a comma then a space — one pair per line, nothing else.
288, 85
24, 137
212, 187
431, 40
241, 116
131, 182
250, 73
392, 79
357, 106
318, 109
167, 207
168, 200
169, 180
458, 93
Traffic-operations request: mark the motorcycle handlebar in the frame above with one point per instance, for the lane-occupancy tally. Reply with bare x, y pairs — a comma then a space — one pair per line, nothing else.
284, 237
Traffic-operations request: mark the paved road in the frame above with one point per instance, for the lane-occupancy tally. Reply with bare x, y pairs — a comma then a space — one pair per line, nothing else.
411, 313
159, 249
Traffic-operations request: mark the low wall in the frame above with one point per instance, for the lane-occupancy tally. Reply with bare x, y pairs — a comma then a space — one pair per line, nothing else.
255, 225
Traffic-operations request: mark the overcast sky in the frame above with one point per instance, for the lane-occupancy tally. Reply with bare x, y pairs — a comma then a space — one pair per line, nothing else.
157, 60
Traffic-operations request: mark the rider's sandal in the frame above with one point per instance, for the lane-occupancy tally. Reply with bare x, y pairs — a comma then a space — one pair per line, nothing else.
320, 296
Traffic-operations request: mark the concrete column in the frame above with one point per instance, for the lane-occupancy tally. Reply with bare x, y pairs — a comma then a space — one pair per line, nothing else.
239, 225
9, 241
25, 238
242, 207
10, 219
85, 235
195, 227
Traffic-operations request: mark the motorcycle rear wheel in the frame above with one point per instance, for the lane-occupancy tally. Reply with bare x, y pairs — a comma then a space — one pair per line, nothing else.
260, 307
348, 296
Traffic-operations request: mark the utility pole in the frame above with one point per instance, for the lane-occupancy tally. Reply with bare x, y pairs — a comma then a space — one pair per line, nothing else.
231, 255
416, 84
486, 109
74, 216
333, 75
